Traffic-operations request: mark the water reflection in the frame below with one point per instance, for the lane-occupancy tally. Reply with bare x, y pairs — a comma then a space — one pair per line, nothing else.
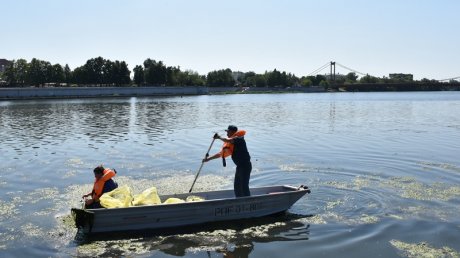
378, 164
229, 239
50, 124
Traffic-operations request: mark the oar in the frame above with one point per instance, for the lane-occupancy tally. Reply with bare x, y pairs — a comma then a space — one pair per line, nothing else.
202, 163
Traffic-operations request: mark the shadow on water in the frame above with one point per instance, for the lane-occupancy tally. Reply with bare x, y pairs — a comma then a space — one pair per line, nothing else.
230, 238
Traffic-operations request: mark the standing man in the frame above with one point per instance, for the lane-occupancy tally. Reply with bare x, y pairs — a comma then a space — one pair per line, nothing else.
235, 145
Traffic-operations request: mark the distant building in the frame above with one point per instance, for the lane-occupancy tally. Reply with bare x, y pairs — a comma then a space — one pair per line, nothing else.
402, 76
3, 64
337, 77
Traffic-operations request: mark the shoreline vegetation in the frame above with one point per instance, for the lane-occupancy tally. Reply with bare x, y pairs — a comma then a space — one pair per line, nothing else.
97, 92
103, 77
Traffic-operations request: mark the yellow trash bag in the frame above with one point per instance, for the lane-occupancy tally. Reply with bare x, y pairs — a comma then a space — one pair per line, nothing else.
120, 197
194, 198
147, 197
173, 200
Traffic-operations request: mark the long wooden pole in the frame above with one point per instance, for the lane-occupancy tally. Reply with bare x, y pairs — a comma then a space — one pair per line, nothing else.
202, 163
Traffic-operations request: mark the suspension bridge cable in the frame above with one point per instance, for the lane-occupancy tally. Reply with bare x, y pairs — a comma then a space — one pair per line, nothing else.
454, 78
319, 69
349, 69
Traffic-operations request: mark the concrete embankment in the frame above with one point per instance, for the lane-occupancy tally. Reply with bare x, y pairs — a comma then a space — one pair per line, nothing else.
89, 92
92, 92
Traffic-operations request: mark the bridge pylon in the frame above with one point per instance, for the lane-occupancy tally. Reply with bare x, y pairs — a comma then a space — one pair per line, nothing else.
332, 74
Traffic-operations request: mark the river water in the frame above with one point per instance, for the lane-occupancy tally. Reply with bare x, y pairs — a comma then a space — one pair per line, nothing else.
383, 168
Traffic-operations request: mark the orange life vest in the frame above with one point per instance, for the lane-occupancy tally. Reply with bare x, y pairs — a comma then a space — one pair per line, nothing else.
99, 183
227, 148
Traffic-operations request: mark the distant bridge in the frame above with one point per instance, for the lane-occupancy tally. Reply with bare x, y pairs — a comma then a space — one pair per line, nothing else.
332, 66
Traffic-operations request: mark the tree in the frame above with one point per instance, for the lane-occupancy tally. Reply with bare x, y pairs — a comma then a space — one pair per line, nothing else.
10, 74
190, 78
115, 73
57, 74
93, 70
316, 80
21, 71
351, 77
109, 73
275, 78
369, 79
172, 74
222, 78
138, 75
256, 80
34, 75
124, 73
155, 72
324, 83
305, 82
67, 74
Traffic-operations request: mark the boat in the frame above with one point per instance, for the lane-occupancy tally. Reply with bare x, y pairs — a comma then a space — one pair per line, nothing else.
217, 206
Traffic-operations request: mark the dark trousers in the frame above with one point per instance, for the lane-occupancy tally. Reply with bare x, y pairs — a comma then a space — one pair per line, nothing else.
241, 184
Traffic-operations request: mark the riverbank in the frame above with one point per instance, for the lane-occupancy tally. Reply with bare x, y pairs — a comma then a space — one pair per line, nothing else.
93, 92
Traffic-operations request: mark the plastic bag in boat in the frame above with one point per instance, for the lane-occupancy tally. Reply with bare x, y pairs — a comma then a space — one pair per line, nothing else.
121, 197
194, 198
147, 197
173, 200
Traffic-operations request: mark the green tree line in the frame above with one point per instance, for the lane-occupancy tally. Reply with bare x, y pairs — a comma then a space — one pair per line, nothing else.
103, 72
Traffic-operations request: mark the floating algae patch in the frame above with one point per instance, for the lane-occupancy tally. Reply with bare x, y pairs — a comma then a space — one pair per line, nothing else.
316, 220
445, 166
205, 239
76, 163
65, 230
71, 173
7, 236
31, 230
72, 196
433, 192
421, 211
357, 183
115, 248
360, 182
332, 205
66, 220
297, 167
131, 166
339, 185
367, 219
7, 210
332, 216
93, 249
394, 216
411, 189
328, 217
261, 231
423, 250
41, 194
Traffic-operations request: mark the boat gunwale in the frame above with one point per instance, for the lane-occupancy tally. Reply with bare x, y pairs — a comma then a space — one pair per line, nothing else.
291, 190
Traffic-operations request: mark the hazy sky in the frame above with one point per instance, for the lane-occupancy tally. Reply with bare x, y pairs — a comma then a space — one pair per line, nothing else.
421, 37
